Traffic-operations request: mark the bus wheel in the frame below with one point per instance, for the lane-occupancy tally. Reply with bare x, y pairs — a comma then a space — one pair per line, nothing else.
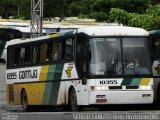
73, 100
24, 101
158, 98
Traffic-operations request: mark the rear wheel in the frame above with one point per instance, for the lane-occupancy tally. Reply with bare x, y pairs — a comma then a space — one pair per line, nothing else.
24, 101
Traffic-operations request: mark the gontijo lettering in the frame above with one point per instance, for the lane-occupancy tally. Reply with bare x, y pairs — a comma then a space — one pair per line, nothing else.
23, 74
28, 74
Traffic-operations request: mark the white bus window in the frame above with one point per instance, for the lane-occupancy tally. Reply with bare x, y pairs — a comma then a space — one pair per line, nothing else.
11, 57
22, 55
105, 56
35, 54
68, 49
55, 51
134, 61
43, 52
17, 56
156, 47
28, 54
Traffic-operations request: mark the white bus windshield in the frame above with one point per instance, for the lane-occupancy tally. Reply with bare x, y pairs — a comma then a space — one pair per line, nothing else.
128, 56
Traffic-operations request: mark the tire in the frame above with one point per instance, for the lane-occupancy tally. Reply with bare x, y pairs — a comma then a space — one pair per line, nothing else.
24, 101
73, 101
158, 99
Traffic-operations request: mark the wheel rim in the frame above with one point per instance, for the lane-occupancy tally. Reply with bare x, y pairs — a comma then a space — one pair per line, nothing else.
73, 100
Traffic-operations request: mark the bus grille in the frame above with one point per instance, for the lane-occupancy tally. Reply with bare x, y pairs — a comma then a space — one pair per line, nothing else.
11, 93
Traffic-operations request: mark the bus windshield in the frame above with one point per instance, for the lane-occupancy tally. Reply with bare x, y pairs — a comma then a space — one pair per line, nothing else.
128, 56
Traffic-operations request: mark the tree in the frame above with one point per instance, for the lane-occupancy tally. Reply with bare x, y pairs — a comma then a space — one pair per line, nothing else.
149, 20
25, 9
7, 8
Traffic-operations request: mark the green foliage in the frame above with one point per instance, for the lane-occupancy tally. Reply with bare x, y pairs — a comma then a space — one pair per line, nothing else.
7, 7
25, 9
119, 15
139, 13
140, 20
149, 20
154, 10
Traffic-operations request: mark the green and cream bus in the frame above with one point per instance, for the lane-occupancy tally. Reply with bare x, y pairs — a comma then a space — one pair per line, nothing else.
89, 66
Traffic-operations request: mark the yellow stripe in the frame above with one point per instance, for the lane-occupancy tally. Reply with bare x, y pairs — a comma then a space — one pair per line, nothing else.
145, 81
43, 73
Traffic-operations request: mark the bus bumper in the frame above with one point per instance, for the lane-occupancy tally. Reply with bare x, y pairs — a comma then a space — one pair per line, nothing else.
121, 97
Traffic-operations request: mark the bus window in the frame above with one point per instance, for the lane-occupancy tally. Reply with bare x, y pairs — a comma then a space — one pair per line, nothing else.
43, 52
36, 54
22, 55
17, 56
28, 55
68, 49
105, 56
11, 57
156, 47
134, 61
55, 51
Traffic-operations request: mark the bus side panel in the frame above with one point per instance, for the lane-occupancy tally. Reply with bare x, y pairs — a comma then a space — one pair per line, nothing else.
9, 93
35, 93
62, 94
81, 91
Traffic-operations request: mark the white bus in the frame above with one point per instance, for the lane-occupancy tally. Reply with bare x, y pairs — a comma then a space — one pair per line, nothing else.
90, 66
8, 34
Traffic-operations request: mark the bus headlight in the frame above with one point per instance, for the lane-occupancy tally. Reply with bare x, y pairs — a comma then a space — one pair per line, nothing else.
98, 88
146, 87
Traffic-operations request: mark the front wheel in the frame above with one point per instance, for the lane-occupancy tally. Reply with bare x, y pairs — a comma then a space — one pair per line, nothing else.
24, 101
158, 98
73, 101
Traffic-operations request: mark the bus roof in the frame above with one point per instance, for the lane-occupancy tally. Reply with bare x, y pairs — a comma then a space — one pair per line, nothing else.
14, 24
113, 30
93, 31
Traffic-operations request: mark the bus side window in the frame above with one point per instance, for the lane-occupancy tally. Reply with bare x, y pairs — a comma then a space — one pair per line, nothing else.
68, 49
36, 54
156, 47
11, 57
22, 56
55, 50
17, 56
43, 52
28, 54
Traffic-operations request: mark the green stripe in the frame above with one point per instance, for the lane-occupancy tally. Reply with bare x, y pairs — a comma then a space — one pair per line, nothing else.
135, 81
126, 81
48, 85
51, 71
56, 85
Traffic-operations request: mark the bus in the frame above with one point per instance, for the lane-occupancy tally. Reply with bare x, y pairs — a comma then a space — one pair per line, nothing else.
7, 34
155, 45
96, 65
